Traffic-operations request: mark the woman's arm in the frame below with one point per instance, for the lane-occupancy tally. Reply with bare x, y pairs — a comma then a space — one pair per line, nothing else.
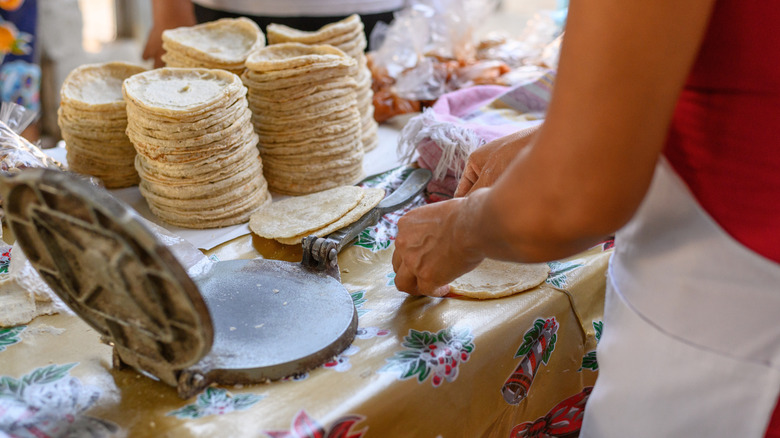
486, 164
622, 66
166, 14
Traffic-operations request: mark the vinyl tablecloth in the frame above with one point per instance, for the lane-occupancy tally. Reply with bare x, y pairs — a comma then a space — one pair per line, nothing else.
519, 366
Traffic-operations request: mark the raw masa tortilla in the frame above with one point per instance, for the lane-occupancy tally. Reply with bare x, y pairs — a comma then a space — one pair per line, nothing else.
495, 279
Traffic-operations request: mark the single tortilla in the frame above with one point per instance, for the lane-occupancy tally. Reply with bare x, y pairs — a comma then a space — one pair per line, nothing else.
496, 279
293, 216
371, 198
226, 42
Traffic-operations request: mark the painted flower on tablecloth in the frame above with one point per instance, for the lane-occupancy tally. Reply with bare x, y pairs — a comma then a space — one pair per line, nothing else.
303, 426
536, 349
437, 354
381, 235
557, 277
341, 362
358, 299
216, 401
12, 41
589, 360
10, 336
5, 260
564, 420
371, 332
49, 403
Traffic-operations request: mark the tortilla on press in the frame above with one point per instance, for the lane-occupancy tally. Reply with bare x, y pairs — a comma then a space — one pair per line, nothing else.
496, 279
298, 215
371, 198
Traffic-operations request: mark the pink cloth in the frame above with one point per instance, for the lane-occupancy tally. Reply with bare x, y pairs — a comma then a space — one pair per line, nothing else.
462, 121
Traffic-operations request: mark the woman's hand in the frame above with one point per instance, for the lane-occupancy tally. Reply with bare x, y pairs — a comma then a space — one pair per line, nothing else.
431, 250
486, 164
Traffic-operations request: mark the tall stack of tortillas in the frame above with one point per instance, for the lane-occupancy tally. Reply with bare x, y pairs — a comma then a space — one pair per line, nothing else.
93, 120
348, 36
197, 153
223, 44
303, 109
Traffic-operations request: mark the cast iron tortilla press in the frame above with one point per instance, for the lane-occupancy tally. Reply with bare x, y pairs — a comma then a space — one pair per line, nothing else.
242, 322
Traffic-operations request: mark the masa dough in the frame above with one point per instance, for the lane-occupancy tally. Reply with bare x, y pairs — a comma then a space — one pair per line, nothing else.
495, 279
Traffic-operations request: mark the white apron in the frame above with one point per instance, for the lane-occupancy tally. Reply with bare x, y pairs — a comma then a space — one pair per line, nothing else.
691, 341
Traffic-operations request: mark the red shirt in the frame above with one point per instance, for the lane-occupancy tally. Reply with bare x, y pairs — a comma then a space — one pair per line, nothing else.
724, 139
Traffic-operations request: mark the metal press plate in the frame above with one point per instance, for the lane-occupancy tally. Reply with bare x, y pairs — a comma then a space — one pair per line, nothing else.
109, 269
273, 319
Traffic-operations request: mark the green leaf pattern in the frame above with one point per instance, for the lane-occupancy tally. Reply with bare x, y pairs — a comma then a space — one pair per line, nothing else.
550, 347
557, 277
589, 360
10, 336
358, 299
216, 401
532, 336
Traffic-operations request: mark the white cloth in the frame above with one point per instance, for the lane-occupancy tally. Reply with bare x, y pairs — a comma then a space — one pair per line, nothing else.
691, 346
303, 8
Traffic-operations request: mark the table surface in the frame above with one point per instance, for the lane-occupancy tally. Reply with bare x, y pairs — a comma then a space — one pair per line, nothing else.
419, 367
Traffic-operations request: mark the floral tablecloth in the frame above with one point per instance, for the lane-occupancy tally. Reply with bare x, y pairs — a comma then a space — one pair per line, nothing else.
520, 366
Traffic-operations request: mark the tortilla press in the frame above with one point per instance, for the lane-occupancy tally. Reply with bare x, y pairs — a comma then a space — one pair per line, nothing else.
242, 322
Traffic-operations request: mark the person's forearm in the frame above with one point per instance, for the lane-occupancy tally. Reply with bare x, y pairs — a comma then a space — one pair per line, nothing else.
535, 236
622, 68
165, 10
167, 14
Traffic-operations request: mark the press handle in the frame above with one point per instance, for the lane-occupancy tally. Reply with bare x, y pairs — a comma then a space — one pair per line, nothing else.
411, 187
414, 183
320, 253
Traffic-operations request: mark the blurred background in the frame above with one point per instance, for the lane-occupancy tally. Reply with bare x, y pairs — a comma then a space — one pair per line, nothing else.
76, 32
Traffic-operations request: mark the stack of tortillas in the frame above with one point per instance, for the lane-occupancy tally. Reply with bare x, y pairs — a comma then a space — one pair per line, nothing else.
197, 153
348, 36
93, 120
495, 279
223, 44
303, 109
290, 220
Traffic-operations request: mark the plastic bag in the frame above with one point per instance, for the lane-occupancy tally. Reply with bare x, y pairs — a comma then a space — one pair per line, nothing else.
431, 48
427, 32
16, 152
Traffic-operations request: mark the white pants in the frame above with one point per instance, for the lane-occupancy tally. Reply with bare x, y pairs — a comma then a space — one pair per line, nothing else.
691, 341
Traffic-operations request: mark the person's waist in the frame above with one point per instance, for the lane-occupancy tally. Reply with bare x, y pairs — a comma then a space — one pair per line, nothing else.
678, 269
303, 8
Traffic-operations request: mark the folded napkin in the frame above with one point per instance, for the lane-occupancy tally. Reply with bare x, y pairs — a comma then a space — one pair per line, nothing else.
460, 122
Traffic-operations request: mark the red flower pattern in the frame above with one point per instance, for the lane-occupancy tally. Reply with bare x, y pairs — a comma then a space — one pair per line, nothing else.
303, 426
